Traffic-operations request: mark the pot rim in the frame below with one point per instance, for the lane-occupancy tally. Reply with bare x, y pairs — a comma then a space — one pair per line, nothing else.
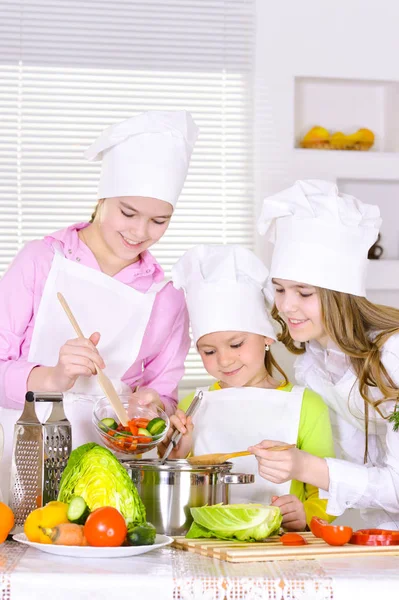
176, 464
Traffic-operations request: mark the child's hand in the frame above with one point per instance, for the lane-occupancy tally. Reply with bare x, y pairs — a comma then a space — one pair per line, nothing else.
277, 467
144, 397
293, 463
184, 424
294, 517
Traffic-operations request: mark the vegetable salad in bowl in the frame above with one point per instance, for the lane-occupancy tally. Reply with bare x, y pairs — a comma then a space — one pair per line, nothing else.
143, 432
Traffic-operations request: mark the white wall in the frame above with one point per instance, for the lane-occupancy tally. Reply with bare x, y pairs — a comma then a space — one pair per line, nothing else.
351, 49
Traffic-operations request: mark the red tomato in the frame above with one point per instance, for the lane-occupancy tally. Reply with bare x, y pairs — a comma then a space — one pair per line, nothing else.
336, 535
293, 539
105, 527
144, 439
134, 430
316, 526
375, 537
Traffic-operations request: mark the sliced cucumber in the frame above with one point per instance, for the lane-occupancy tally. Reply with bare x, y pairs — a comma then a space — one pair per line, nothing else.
121, 435
144, 432
108, 424
78, 511
156, 426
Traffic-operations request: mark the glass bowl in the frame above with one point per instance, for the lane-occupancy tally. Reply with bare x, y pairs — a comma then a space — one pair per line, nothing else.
127, 443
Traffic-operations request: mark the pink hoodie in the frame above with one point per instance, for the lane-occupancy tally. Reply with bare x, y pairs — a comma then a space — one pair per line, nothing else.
166, 340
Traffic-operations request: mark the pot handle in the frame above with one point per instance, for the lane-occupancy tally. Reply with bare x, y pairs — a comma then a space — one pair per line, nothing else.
238, 478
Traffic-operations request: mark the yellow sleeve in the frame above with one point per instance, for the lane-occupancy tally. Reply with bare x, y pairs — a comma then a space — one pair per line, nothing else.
315, 437
186, 401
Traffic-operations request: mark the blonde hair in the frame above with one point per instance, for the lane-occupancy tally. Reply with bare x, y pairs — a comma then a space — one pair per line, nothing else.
360, 329
95, 212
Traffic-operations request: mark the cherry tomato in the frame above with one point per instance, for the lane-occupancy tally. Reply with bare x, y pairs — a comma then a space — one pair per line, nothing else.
293, 539
316, 526
336, 535
105, 526
375, 537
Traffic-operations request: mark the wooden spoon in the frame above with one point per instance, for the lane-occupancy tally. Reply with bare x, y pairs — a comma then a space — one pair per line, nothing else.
103, 380
218, 458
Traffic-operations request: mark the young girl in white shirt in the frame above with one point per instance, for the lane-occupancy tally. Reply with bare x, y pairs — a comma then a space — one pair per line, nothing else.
348, 347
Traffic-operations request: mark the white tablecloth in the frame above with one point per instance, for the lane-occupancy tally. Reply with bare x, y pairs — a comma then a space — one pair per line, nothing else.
169, 574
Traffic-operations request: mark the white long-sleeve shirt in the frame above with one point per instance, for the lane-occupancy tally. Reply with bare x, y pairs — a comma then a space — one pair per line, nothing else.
374, 486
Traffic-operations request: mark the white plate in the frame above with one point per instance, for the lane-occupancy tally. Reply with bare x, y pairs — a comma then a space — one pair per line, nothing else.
92, 551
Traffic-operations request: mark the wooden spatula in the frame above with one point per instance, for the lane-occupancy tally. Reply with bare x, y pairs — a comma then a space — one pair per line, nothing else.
218, 458
103, 380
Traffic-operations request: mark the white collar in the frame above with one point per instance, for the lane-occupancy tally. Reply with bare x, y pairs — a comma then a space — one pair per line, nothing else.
331, 361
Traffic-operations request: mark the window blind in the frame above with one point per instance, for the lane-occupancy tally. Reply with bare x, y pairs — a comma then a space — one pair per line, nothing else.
70, 68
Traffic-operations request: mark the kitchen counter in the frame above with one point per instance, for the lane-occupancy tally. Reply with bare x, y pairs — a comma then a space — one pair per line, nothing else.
170, 574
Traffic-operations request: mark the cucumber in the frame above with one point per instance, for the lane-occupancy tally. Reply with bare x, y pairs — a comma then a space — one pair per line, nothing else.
78, 511
156, 426
145, 432
141, 535
108, 424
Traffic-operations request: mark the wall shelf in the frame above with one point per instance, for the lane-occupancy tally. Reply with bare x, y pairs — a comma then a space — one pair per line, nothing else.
347, 105
339, 164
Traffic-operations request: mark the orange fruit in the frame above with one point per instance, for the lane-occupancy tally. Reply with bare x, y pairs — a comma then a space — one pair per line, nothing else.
6, 521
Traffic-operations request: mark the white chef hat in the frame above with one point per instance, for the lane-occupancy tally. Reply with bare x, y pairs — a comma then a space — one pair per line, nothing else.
321, 237
225, 290
147, 155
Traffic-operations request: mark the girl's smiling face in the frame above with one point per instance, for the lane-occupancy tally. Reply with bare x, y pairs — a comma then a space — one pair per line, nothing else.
131, 224
234, 358
299, 305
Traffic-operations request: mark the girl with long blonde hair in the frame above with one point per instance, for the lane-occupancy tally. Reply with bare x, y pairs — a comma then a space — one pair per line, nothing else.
347, 347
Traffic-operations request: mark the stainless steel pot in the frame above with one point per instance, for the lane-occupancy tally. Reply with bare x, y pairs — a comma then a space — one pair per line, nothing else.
170, 490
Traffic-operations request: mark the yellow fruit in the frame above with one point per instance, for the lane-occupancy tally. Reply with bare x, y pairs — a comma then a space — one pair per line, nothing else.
54, 513
317, 134
339, 140
365, 135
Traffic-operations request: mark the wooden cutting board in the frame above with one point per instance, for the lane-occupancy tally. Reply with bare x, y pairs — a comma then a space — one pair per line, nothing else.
273, 549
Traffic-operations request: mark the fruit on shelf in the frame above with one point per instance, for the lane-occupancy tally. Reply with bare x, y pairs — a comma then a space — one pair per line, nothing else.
319, 138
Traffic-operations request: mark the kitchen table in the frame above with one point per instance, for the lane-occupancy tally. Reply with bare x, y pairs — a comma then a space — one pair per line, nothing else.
170, 574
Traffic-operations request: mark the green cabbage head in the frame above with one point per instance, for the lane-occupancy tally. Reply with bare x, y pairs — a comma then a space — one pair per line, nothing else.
94, 473
244, 522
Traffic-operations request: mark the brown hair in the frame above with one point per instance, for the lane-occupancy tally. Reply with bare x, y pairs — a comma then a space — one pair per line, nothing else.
272, 365
360, 329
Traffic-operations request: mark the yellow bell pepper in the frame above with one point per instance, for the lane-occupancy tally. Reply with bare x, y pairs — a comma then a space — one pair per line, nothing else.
54, 513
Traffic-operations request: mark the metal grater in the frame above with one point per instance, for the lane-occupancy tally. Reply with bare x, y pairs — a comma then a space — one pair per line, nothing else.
57, 445
40, 453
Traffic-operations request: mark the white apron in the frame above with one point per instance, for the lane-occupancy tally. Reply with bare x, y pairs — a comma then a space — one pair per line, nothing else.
100, 303
348, 428
346, 413
232, 419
